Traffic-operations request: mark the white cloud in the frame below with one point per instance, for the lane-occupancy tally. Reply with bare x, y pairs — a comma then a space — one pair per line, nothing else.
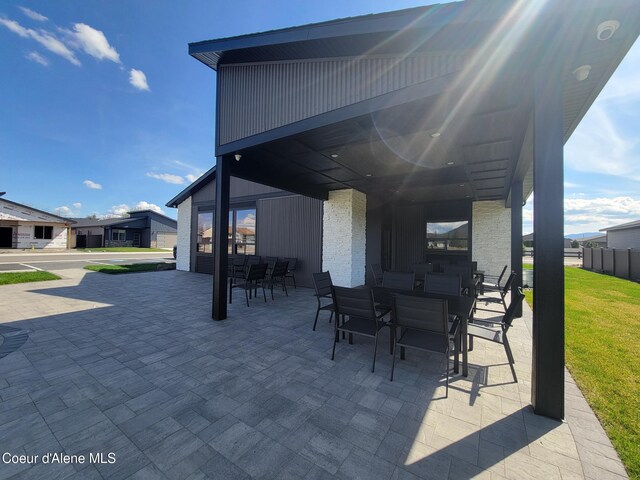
167, 177
33, 15
116, 211
47, 39
36, 57
77, 205
147, 206
138, 79
92, 185
192, 178
93, 42
64, 211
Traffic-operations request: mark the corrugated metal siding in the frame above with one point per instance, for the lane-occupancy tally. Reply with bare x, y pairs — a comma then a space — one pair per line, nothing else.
239, 188
292, 227
254, 98
409, 237
628, 238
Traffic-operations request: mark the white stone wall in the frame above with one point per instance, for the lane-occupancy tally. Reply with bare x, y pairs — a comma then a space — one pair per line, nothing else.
25, 238
183, 262
491, 236
344, 237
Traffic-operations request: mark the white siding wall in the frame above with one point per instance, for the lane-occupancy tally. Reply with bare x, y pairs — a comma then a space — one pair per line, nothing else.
344, 237
183, 262
491, 236
25, 237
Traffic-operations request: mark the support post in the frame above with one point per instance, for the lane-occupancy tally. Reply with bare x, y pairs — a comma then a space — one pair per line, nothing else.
220, 238
547, 378
516, 240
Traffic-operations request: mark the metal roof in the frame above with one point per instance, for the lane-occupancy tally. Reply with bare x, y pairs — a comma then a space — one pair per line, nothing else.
622, 226
63, 219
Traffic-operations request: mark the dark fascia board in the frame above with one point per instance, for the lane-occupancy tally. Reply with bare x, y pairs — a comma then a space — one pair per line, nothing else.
623, 226
193, 188
418, 17
150, 213
64, 220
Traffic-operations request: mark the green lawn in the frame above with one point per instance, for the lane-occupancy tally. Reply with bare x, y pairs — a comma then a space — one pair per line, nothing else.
24, 277
122, 249
135, 268
603, 354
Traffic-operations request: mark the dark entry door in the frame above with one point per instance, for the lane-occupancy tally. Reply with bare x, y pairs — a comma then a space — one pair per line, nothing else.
6, 240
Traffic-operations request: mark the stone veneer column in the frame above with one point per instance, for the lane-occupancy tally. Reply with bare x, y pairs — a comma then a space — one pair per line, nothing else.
491, 236
183, 262
344, 237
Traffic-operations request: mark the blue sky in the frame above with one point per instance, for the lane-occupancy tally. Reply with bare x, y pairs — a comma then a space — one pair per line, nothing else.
103, 110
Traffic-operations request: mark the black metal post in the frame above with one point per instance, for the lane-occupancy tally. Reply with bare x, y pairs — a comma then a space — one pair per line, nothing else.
220, 238
516, 239
547, 376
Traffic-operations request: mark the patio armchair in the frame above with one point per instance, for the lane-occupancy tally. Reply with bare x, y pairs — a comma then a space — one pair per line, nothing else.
443, 284
481, 328
291, 271
502, 292
399, 280
420, 270
492, 282
278, 276
271, 262
322, 284
356, 304
378, 273
424, 325
254, 279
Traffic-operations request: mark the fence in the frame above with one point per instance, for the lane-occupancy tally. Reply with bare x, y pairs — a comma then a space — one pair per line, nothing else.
568, 252
622, 263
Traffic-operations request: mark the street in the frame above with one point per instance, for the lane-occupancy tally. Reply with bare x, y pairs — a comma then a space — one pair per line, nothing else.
11, 262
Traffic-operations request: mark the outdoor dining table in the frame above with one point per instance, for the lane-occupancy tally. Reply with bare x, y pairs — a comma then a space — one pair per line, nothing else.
461, 306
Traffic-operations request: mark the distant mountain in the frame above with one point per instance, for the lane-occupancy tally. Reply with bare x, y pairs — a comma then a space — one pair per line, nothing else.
578, 236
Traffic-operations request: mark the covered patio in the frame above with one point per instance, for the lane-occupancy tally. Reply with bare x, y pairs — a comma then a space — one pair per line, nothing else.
135, 366
453, 112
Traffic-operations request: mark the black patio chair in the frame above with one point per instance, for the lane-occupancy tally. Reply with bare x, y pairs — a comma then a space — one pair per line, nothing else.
481, 328
424, 325
492, 282
322, 284
443, 284
378, 273
356, 304
291, 271
255, 278
278, 276
503, 292
236, 267
399, 280
271, 262
420, 270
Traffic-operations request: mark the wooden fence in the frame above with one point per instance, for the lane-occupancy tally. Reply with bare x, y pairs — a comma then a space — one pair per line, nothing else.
622, 263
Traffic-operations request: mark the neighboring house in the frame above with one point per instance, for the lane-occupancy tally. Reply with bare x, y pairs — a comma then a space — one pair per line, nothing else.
595, 241
144, 228
626, 235
26, 227
262, 221
527, 241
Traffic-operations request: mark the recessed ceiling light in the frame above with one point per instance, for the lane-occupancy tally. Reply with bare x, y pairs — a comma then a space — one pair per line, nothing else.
450, 163
461, 184
582, 73
368, 175
334, 155
606, 29
435, 135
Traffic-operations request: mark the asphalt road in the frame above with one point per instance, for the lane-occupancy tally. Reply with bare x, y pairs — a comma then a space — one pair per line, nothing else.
63, 261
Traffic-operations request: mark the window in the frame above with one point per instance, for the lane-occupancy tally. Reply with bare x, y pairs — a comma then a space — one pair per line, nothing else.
245, 231
118, 235
204, 234
43, 232
448, 236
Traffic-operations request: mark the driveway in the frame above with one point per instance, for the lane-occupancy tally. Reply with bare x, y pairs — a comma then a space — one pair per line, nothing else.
71, 260
133, 368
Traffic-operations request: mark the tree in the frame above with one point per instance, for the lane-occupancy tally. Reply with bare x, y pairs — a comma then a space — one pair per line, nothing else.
93, 216
575, 244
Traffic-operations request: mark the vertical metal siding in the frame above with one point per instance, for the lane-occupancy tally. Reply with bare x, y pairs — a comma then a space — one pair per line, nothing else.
255, 98
292, 227
409, 237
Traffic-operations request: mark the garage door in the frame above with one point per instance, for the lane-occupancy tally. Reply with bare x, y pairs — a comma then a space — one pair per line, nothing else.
166, 240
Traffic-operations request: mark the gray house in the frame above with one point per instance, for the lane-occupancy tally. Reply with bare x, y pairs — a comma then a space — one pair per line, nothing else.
263, 221
143, 228
626, 235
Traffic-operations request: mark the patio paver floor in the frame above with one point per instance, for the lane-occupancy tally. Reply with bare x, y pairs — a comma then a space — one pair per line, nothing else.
134, 365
